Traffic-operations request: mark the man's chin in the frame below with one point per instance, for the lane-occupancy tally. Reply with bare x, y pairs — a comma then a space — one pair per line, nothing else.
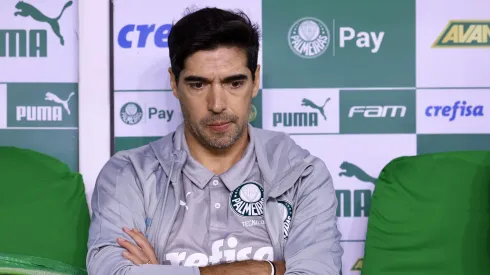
221, 140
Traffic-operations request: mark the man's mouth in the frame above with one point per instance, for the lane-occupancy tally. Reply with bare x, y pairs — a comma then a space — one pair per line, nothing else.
219, 126
219, 123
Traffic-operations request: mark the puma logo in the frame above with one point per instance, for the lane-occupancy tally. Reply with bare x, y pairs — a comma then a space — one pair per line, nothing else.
26, 10
352, 170
309, 103
56, 99
183, 203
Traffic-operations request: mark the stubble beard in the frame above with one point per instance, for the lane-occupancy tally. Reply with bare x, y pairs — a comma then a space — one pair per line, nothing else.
214, 140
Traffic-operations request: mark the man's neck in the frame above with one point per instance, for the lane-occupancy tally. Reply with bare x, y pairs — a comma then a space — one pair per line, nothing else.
217, 160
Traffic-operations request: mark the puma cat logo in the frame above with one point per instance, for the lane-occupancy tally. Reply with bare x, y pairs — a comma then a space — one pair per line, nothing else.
26, 10
309, 103
56, 99
352, 170
183, 203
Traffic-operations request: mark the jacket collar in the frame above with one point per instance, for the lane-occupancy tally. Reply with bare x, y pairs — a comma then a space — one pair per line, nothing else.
278, 156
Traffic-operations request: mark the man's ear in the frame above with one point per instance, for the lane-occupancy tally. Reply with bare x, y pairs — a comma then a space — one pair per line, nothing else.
256, 82
173, 83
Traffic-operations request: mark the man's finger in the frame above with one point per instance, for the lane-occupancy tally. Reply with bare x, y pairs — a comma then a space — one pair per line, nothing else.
135, 254
130, 247
133, 258
145, 246
136, 231
139, 239
142, 237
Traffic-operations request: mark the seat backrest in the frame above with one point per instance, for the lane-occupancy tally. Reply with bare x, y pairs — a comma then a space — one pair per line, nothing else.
11, 264
430, 216
43, 208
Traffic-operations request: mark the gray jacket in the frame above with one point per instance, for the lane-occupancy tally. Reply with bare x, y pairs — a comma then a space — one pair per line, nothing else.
141, 185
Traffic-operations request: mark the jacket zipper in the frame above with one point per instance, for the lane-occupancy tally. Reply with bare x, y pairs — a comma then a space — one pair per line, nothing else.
166, 234
149, 221
157, 226
162, 198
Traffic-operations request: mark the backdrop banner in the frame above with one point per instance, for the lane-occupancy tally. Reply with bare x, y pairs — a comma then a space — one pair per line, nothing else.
39, 77
357, 83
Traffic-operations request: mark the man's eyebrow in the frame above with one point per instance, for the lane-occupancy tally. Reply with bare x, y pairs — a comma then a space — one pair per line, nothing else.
195, 78
235, 77
231, 78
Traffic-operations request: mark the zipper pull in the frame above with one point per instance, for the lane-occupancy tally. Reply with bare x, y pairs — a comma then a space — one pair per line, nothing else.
148, 224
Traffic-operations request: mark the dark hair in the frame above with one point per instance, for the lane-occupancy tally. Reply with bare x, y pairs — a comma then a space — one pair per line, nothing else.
208, 29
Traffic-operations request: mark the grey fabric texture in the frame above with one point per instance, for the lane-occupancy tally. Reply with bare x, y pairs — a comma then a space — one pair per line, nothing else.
277, 203
227, 228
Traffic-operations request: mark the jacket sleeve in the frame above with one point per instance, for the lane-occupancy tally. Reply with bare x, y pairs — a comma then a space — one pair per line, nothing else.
117, 201
313, 245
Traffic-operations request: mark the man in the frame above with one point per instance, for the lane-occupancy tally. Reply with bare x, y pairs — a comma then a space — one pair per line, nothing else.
216, 196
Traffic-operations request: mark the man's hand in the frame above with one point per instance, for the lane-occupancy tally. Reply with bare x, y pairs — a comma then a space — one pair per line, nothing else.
143, 253
248, 267
139, 254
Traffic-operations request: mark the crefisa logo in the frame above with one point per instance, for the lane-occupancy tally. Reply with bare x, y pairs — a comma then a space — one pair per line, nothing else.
457, 110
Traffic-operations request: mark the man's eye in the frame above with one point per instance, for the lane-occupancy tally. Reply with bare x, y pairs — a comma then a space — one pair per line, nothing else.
236, 84
197, 85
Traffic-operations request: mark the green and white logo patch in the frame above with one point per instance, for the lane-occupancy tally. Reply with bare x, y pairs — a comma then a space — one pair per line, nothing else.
309, 37
33, 42
301, 110
131, 113
42, 105
247, 200
255, 115
286, 210
301, 119
146, 113
325, 45
354, 202
377, 111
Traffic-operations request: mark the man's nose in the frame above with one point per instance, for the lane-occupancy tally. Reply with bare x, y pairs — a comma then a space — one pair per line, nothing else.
217, 99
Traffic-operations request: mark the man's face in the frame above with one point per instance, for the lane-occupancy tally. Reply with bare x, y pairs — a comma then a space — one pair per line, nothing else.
215, 90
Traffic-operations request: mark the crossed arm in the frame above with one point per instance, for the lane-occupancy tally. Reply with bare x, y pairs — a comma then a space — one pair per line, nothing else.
313, 245
143, 253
